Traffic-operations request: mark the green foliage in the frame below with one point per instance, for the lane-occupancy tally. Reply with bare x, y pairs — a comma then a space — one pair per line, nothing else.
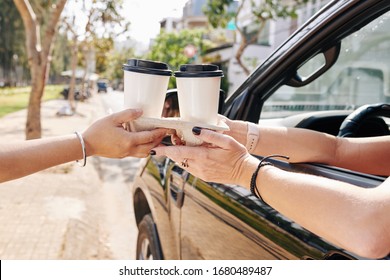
12, 40
60, 56
115, 60
169, 48
102, 46
273, 9
217, 12
219, 15
104, 23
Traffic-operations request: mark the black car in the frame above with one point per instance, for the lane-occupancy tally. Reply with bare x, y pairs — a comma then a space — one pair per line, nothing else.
335, 63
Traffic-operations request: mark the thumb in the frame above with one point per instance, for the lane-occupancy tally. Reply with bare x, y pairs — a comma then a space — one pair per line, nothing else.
126, 115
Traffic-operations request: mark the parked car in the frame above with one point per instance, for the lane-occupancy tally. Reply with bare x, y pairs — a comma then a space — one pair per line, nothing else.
78, 95
336, 62
102, 86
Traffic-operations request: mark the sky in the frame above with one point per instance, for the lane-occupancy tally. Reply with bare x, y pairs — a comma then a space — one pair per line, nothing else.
145, 16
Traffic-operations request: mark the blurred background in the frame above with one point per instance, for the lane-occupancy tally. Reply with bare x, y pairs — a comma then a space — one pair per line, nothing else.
77, 47
61, 68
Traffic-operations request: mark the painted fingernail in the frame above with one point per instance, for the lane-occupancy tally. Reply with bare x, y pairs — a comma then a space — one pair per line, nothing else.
196, 130
152, 152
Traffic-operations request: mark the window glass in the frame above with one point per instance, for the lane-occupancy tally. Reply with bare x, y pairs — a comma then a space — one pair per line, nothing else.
251, 30
360, 76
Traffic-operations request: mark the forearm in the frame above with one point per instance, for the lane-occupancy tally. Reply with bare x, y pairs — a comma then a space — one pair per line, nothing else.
330, 209
303, 145
27, 157
300, 145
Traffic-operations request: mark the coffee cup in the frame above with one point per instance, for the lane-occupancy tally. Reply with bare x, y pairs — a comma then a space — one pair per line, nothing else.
198, 88
145, 86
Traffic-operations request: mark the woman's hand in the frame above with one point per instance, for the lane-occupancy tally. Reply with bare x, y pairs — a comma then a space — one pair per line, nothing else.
238, 129
108, 138
221, 159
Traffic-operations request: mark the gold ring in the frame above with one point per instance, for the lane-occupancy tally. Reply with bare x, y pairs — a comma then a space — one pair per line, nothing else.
184, 163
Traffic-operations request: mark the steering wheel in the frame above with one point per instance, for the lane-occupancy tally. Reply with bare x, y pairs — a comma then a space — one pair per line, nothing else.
353, 121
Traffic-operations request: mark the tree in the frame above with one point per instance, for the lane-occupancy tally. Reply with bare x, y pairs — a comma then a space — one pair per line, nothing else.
219, 15
169, 48
103, 22
38, 52
115, 60
12, 38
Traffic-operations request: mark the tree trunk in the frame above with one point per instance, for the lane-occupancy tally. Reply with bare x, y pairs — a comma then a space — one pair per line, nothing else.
239, 53
38, 58
243, 42
33, 123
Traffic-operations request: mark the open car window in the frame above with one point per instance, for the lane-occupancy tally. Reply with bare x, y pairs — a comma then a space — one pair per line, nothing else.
360, 76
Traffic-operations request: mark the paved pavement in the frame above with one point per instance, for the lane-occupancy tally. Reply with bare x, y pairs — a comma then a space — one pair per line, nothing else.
67, 212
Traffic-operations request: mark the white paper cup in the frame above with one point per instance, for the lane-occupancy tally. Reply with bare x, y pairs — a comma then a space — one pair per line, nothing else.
145, 86
198, 88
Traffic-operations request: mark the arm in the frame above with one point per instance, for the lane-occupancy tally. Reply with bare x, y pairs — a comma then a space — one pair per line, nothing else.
106, 137
303, 145
351, 217
329, 208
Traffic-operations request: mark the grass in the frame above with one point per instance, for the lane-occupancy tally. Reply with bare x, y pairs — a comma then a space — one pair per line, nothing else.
15, 99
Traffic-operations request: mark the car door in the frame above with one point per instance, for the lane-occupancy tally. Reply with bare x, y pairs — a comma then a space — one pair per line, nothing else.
227, 222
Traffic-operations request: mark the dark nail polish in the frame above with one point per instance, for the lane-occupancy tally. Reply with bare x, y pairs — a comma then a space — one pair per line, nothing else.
152, 152
196, 130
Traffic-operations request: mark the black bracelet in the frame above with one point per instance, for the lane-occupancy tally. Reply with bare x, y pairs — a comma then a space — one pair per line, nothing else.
253, 188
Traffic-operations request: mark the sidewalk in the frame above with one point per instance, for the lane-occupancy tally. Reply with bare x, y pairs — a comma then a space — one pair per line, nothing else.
64, 212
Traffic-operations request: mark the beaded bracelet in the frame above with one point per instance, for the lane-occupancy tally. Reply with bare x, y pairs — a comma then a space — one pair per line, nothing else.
83, 148
253, 188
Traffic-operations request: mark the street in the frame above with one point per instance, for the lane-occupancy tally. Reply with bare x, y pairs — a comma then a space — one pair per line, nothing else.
117, 176
68, 212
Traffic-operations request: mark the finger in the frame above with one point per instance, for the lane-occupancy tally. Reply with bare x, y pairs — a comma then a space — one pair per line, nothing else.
178, 153
217, 139
145, 137
126, 115
176, 140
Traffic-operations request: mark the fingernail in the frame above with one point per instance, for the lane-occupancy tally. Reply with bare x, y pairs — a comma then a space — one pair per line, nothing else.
196, 130
152, 152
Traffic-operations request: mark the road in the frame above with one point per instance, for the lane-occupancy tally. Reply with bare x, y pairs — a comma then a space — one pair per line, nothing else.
117, 176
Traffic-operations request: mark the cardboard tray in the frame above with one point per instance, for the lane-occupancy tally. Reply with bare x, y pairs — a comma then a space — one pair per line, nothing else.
183, 128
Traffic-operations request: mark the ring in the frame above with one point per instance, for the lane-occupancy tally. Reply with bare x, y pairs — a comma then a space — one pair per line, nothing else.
184, 163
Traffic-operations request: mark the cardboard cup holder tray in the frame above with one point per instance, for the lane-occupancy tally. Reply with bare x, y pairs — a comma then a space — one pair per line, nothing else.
183, 128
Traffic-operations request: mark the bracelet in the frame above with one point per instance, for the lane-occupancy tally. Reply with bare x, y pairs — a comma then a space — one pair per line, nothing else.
252, 137
83, 148
253, 187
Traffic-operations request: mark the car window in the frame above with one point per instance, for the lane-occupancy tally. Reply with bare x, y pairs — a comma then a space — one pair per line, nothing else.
360, 76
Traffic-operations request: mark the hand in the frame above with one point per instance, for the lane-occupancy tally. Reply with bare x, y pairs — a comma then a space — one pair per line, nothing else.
224, 161
238, 129
107, 137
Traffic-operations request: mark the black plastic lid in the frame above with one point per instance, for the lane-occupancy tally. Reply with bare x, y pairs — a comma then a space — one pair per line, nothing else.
198, 70
147, 67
